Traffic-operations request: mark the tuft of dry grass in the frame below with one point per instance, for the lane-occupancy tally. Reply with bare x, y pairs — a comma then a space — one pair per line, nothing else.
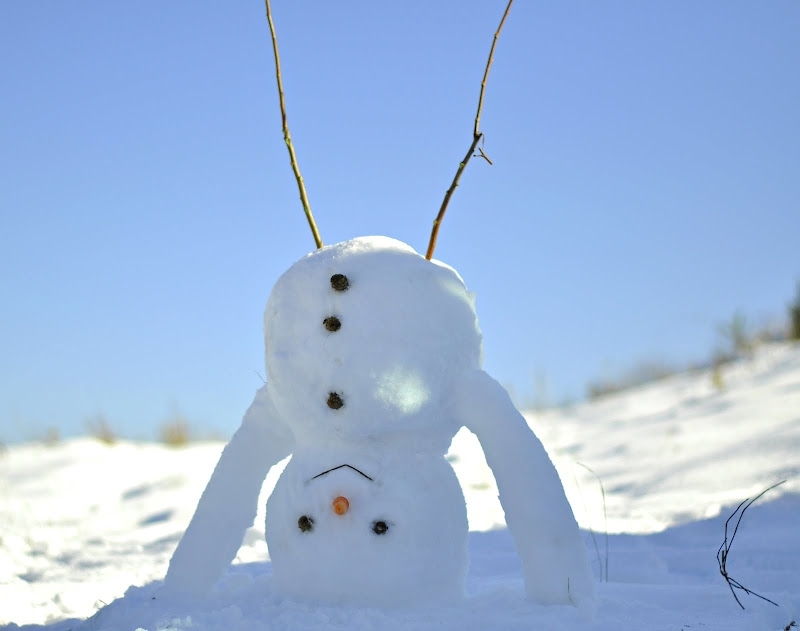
100, 429
794, 317
51, 437
738, 336
717, 380
175, 432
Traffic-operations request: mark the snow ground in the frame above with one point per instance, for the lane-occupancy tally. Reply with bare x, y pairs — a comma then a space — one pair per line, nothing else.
80, 522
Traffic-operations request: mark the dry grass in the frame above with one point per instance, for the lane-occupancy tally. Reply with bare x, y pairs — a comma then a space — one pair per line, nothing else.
717, 380
643, 372
175, 432
51, 437
794, 317
100, 429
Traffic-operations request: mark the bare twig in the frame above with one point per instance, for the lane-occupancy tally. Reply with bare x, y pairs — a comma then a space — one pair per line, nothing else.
287, 137
483, 155
569, 594
475, 131
476, 136
725, 548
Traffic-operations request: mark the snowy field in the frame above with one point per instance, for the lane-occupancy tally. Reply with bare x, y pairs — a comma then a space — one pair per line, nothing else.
87, 530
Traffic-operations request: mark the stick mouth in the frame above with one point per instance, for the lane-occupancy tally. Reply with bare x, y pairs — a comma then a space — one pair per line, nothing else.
343, 466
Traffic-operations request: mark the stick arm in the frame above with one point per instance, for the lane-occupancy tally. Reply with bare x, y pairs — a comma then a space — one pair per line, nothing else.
228, 505
554, 559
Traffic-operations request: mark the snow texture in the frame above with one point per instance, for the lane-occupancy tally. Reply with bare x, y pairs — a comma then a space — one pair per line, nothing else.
80, 522
373, 364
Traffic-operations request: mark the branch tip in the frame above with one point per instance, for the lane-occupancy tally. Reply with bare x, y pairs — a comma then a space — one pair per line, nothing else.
476, 137
287, 137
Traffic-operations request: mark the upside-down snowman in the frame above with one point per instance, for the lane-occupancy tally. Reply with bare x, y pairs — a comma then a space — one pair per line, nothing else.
373, 360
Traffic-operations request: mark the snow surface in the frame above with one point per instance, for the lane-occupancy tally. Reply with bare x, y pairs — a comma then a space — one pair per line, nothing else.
80, 522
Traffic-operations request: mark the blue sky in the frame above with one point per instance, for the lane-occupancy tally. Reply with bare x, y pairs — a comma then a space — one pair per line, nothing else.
645, 185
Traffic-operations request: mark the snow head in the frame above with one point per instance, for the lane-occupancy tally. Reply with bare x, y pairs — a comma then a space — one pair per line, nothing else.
373, 359
364, 337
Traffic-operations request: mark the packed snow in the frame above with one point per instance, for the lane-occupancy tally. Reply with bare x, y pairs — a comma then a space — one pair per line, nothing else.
88, 530
373, 358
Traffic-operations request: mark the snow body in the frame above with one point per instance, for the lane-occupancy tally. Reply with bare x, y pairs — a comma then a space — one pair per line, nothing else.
373, 359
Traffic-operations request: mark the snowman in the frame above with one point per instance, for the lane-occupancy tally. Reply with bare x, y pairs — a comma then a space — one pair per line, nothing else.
373, 361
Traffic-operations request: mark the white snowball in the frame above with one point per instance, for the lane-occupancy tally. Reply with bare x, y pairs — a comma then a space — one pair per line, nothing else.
407, 326
420, 557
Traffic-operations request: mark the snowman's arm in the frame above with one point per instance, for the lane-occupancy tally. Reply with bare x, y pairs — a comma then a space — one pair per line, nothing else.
554, 558
228, 505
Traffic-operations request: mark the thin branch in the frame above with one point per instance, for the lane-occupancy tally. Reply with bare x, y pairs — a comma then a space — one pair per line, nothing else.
476, 136
489, 61
287, 136
438, 221
725, 548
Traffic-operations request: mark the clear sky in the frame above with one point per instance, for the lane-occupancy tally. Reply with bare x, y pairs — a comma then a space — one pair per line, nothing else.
645, 186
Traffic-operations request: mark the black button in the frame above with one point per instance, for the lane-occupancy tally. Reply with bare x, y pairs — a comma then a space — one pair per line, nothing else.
339, 282
335, 401
332, 323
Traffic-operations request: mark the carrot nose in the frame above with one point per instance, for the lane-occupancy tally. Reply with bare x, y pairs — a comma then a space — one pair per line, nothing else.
340, 505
